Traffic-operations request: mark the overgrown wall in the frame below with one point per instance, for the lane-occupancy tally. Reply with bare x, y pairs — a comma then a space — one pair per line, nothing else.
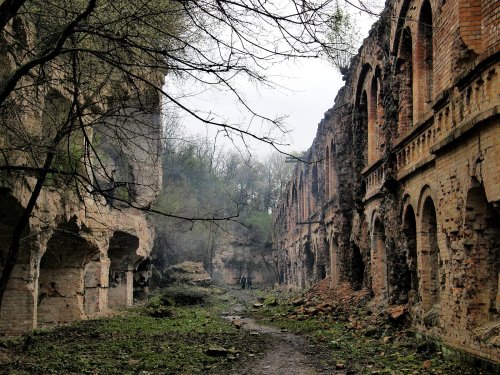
401, 193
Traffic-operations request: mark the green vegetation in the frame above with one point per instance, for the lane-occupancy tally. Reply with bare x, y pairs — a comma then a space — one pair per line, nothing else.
136, 342
201, 183
382, 348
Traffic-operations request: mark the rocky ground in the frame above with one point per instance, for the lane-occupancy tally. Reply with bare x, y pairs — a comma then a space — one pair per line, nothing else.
190, 330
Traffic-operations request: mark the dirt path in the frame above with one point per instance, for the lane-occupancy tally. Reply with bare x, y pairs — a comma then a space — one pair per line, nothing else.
286, 355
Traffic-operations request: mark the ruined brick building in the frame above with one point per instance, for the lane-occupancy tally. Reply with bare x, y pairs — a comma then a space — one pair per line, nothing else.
81, 253
401, 194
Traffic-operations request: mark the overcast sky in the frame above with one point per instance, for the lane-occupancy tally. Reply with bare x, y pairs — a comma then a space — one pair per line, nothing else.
304, 90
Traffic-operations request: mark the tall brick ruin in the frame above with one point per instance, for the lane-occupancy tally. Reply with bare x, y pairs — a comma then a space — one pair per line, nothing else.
401, 194
80, 253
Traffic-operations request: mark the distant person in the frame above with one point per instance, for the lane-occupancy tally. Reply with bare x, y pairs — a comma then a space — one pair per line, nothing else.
249, 282
243, 281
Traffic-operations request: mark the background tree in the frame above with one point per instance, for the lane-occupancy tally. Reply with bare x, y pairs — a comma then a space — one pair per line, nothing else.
199, 181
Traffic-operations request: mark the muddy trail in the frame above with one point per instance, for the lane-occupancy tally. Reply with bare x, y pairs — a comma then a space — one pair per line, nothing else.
285, 353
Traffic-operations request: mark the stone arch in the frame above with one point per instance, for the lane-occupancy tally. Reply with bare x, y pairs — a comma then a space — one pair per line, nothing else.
361, 112
409, 282
314, 185
362, 82
363, 118
61, 293
378, 259
400, 22
327, 173
357, 268
375, 114
294, 207
301, 213
482, 243
325, 270
320, 269
18, 313
429, 257
10, 212
425, 192
404, 70
309, 260
333, 169
142, 274
423, 62
122, 254
334, 261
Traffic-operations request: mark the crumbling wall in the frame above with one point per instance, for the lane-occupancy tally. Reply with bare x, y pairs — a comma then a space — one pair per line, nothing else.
408, 163
70, 255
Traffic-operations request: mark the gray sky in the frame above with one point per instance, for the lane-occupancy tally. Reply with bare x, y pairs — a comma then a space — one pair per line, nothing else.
304, 90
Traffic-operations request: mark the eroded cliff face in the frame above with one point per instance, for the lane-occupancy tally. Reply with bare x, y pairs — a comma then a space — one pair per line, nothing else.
402, 191
87, 237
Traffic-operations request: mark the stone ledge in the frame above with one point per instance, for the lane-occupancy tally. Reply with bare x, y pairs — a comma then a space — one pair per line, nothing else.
464, 127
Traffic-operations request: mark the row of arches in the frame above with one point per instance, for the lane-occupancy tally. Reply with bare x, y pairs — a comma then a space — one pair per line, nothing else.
412, 84
419, 276
65, 277
422, 273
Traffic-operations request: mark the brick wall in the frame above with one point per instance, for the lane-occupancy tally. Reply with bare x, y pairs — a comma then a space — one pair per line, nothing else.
418, 223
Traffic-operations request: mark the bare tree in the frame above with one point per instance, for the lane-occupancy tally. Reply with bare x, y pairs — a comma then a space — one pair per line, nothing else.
81, 83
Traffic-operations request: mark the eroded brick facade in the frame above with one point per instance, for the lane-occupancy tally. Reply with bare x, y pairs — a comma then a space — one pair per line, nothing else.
80, 254
402, 192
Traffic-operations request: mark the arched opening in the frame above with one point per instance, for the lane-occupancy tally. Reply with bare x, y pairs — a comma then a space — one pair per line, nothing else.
309, 260
122, 254
424, 61
324, 270
429, 266
18, 313
327, 173
375, 147
319, 264
301, 206
294, 207
314, 187
482, 243
404, 70
379, 260
62, 275
357, 268
363, 118
409, 279
333, 170
335, 261
10, 212
360, 119
142, 275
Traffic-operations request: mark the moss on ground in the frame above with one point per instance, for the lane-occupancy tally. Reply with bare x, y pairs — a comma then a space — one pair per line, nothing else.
135, 342
380, 349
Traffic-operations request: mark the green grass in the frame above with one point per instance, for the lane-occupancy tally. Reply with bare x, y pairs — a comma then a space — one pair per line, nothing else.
131, 343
